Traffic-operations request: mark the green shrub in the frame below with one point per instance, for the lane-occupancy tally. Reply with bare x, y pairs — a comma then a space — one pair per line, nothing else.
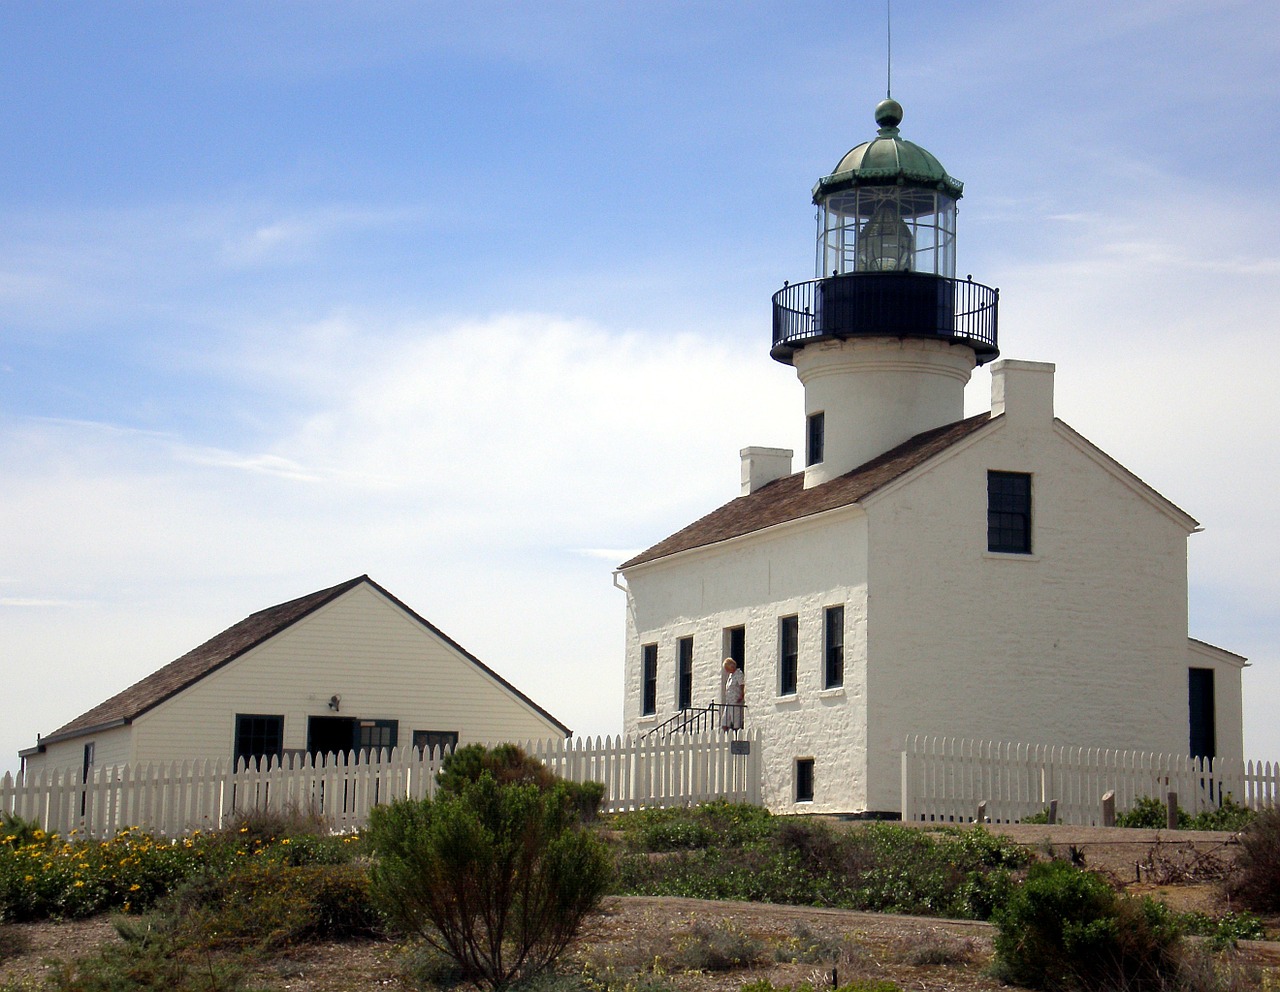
939, 949
1255, 883
16, 832
498, 876
265, 905
1064, 928
878, 866
1150, 813
723, 947
74, 878
148, 960
510, 765
288, 838
1225, 931
685, 828
1228, 816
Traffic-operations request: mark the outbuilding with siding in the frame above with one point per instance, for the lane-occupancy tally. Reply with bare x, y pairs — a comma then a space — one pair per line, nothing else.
345, 668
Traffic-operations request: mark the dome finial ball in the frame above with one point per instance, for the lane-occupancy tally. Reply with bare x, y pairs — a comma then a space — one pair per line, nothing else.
889, 113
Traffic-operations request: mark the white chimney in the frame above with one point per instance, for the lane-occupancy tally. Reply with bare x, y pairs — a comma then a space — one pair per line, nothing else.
760, 466
1022, 389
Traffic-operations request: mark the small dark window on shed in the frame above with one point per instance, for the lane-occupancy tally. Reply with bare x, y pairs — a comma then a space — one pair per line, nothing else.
377, 735
804, 780
437, 742
816, 438
1009, 512
258, 736
648, 680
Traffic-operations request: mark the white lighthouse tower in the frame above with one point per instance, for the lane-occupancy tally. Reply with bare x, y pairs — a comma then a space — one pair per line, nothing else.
885, 338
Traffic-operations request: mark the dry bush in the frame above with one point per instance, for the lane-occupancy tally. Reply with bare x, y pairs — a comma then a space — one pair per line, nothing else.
939, 949
1256, 881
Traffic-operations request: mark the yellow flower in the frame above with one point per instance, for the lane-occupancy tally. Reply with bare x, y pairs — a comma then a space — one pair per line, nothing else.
134, 887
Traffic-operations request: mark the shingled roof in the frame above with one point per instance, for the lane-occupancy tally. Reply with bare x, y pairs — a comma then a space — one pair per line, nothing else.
126, 706
786, 499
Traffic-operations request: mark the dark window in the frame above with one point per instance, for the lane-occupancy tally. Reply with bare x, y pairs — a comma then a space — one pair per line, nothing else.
684, 668
735, 646
258, 737
437, 742
1200, 696
816, 438
378, 735
85, 769
649, 679
804, 780
1009, 512
834, 647
788, 654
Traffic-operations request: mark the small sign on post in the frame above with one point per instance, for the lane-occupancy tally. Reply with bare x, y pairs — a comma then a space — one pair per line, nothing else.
1171, 811
739, 747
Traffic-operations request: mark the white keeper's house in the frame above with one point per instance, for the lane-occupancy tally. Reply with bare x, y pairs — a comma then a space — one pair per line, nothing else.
995, 577
344, 669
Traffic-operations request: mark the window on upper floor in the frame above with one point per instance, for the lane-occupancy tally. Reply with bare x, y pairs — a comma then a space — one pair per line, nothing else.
815, 438
258, 736
684, 673
1009, 512
788, 654
833, 647
648, 680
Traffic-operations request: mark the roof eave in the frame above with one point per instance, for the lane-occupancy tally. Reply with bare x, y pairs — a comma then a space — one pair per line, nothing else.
96, 728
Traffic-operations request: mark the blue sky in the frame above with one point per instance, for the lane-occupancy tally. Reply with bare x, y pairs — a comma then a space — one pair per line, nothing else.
474, 298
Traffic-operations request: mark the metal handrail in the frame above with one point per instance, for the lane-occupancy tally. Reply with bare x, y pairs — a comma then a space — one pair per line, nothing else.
699, 721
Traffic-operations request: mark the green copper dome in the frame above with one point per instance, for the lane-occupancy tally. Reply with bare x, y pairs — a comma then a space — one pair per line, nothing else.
888, 160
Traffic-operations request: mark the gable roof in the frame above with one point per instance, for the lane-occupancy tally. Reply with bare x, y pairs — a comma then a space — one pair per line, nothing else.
221, 649
786, 499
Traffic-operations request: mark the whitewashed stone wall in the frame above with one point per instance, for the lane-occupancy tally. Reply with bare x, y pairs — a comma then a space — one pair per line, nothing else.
1084, 641
797, 569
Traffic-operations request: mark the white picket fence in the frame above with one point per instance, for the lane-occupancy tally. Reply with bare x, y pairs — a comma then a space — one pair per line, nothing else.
945, 778
171, 799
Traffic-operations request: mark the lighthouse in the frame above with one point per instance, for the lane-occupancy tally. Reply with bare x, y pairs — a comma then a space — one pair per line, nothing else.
885, 337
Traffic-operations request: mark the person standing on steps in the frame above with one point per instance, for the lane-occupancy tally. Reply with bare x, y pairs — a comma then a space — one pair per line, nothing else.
734, 696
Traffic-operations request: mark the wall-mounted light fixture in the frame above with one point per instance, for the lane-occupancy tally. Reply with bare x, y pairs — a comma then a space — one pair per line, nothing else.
334, 702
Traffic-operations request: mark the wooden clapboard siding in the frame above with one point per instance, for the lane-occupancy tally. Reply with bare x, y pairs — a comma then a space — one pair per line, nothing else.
381, 661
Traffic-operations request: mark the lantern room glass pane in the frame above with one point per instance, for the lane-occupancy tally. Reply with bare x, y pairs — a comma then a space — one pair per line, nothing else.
887, 229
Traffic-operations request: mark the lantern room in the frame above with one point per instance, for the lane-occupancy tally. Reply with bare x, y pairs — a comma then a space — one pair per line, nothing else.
889, 206
886, 254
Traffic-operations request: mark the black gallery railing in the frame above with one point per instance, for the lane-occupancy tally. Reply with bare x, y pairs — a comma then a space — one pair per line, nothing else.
886, 304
